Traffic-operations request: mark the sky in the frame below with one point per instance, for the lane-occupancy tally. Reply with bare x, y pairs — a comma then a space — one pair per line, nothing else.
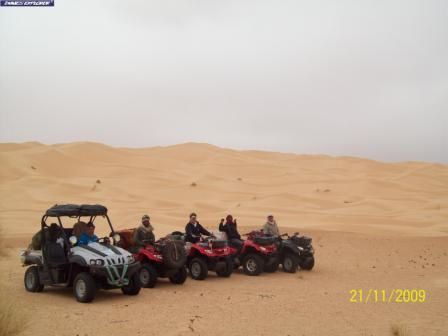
354, 78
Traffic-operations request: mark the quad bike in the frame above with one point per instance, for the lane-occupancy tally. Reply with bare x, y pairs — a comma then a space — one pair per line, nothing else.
296, 252
257, 254
165, 258
60, 262
209, 254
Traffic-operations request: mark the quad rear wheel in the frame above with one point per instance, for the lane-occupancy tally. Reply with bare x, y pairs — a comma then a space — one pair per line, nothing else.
32, 281
253, 264
272, 265
227, 270
179, 277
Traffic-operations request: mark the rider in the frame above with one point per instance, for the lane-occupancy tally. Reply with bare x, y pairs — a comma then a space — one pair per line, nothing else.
229, 227
144, 233
270, 227
88, 236
194, 230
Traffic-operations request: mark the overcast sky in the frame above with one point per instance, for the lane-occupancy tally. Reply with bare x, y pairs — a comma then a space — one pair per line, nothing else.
362, 78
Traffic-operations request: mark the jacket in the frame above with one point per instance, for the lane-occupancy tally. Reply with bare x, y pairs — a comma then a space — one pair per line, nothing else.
230, 229
193, 232
85, 239
143, 236
271, 229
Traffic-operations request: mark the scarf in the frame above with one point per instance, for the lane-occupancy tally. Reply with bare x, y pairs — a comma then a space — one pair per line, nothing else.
148, 229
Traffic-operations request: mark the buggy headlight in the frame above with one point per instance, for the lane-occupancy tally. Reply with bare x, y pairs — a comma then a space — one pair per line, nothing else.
131, 259
116, 237
263, 248
97, 262
73, 240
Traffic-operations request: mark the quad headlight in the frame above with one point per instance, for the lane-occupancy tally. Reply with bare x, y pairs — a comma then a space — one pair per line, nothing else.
97, 262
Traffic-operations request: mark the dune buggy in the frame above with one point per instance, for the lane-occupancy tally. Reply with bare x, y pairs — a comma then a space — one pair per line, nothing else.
61, 262
296, 251
163, 259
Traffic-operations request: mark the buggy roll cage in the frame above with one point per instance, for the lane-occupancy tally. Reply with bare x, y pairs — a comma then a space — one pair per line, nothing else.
73, 211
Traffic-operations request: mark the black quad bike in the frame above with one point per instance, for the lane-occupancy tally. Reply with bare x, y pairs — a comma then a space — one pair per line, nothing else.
296, 252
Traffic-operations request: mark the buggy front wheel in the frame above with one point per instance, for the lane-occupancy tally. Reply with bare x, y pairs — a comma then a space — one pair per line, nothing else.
84, 287
133, 288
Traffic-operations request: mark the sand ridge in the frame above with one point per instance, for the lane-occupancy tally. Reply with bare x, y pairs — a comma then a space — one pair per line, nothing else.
330, 193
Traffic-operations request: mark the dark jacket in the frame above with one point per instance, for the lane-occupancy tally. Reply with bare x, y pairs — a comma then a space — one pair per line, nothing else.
193, 233
143, 236
230, 229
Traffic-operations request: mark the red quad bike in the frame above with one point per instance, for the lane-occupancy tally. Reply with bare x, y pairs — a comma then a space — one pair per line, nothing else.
163, 259
209, 254
257, 254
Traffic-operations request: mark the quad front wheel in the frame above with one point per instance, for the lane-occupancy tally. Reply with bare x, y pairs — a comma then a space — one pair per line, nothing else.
198, 269
307, 263
290, 263
147, 276
253, 264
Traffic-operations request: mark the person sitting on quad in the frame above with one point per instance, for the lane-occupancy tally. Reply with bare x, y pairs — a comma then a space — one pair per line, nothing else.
229, 227
270, 228
144, 235
194, 230
88, 236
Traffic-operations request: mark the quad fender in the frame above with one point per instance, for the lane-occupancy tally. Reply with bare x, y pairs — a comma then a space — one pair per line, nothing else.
291, 248
145, 255
195, 250
248, 249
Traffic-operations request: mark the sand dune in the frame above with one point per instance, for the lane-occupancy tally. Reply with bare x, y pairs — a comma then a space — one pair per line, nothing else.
374, 224
169, 182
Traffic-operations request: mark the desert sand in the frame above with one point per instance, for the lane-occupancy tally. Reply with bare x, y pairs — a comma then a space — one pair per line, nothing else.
375, 225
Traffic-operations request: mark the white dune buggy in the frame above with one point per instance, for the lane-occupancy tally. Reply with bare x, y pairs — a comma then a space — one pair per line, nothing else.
62, 262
